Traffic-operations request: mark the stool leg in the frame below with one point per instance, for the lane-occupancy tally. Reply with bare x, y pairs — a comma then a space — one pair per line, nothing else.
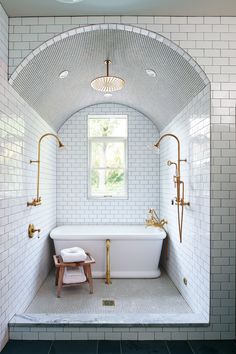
90, 279
60, 281
57, 275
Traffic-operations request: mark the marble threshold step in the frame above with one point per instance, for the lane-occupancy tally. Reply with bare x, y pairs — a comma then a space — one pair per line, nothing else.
34, 326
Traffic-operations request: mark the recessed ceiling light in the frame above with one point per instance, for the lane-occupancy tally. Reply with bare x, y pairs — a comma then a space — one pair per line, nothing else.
107, 94
69, 1
151, 73
63, 74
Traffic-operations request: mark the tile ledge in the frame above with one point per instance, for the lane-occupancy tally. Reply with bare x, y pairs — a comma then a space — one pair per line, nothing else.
100, 320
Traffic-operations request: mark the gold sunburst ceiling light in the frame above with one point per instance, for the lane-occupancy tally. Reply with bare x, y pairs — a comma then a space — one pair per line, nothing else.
108, 83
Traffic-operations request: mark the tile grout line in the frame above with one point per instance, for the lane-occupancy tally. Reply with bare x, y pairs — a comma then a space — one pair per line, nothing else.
167, 347
189, 343
121, 351
50, 346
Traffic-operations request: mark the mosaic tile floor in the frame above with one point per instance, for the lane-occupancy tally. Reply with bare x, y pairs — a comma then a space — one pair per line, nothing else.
130, 296
120, 347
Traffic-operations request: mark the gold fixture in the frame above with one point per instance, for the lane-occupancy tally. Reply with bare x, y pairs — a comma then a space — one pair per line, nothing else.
107, 83
108, 268
37, 201
153, 219
32, 230
179, 200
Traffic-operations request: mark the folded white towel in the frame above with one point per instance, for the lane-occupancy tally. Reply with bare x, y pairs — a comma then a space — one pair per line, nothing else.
74, 275
74, 254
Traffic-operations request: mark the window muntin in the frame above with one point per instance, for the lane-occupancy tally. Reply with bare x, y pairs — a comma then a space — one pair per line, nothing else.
107, 156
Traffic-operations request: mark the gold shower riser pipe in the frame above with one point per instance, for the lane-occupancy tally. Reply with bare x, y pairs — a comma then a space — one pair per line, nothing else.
37, 201
108, 266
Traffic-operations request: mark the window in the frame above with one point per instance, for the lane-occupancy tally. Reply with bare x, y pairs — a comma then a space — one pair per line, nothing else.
107, 156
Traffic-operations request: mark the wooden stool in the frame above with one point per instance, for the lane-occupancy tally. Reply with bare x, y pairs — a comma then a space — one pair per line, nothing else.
60, 269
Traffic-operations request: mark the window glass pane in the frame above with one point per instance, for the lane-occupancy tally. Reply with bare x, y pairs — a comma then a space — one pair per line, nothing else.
115, 181
107, 127
115, 155
108, 182
98, 154
107, 154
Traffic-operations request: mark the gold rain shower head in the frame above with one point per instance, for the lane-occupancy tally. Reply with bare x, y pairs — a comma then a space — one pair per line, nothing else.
37, 201
107, 83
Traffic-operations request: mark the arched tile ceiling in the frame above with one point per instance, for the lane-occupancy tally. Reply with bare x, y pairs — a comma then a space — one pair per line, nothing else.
82, 53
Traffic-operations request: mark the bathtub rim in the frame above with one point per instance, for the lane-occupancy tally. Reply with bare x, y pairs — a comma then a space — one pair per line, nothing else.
102, 232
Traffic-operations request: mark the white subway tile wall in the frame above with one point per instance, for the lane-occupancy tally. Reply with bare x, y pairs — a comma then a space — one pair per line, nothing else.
73, 204
3, 41
191, 258
218, 58
24, 262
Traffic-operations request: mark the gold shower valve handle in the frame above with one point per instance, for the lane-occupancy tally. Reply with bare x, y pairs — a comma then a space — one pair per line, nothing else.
34, 202
181, 202
32, 230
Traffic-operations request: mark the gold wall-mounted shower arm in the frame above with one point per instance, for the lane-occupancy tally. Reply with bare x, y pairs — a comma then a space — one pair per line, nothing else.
37, 201
178, 142
179, 200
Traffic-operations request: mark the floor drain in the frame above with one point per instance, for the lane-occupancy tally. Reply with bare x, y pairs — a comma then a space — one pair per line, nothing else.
108, 303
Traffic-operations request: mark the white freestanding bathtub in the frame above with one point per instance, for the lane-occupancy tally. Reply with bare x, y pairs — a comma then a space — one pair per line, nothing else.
134, 249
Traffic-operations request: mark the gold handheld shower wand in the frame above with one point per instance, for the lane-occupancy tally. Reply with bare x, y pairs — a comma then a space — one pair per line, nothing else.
179, 200
37, 201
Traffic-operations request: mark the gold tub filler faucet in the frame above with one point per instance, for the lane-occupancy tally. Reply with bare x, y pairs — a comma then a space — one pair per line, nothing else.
37, 201
179, 184
153, 219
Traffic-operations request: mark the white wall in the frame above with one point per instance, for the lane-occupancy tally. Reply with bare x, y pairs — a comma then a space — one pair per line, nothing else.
24, 262
3, 41
211, 42
73, 204
191, 258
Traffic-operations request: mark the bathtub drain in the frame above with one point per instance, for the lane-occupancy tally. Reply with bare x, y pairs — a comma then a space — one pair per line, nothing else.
108, 303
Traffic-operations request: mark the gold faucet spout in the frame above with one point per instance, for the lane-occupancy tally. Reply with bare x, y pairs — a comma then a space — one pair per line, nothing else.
163, 222
154, 219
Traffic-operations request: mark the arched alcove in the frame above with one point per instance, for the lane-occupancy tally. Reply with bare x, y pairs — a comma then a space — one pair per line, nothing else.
132, 50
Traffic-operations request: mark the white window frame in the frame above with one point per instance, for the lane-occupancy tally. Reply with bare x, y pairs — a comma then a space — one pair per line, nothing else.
111, 139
